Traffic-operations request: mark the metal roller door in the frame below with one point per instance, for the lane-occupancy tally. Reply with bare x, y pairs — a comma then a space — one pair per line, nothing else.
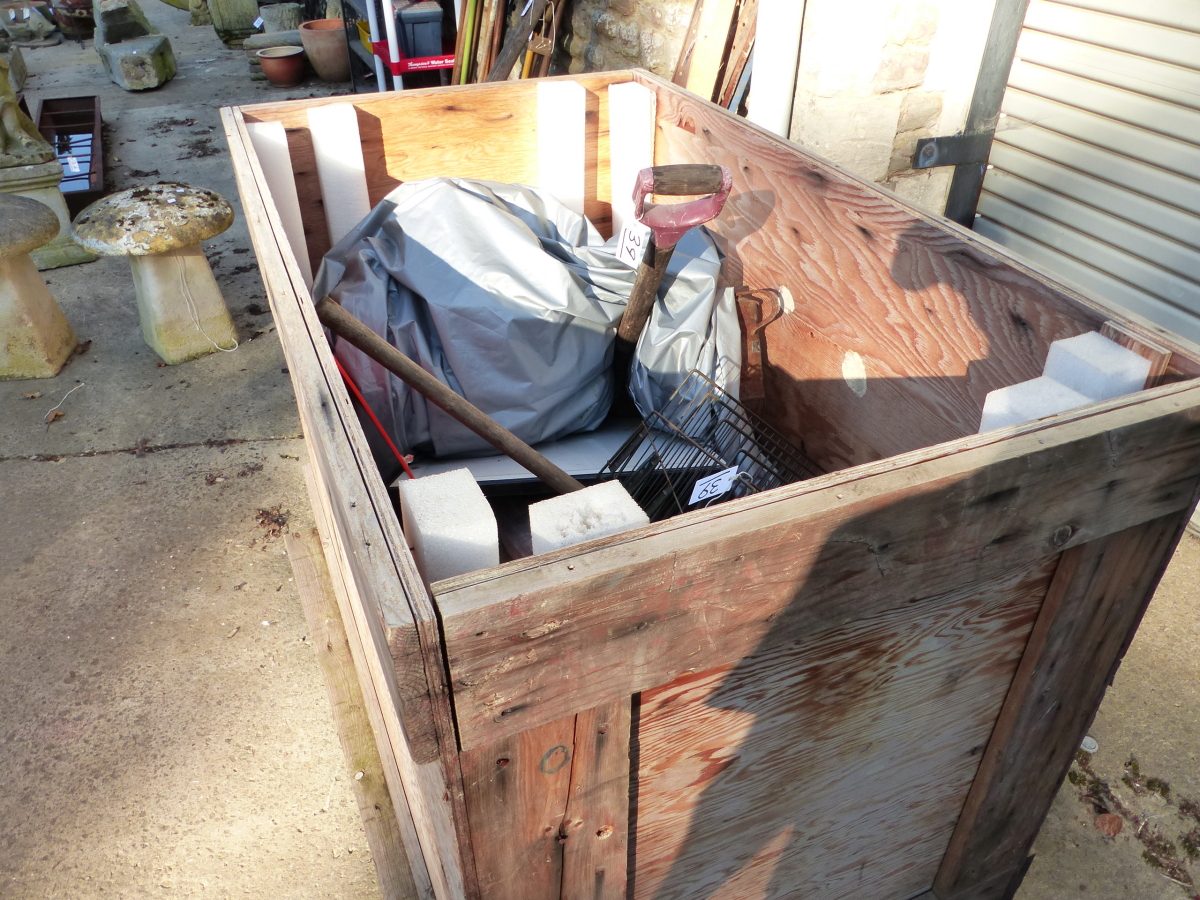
1095, 167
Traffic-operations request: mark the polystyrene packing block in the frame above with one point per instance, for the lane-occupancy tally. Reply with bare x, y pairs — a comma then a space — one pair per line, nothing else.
1095, 366
1027, 401
449, 524
594, 512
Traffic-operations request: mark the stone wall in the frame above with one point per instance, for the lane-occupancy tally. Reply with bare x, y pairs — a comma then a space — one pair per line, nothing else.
625, 34
876, 75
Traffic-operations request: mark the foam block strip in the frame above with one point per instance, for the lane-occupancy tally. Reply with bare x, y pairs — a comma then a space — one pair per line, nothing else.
1027, 401
270, 143
449, 524
340, 167
562, 114
631, 117
1095, 366
594, 512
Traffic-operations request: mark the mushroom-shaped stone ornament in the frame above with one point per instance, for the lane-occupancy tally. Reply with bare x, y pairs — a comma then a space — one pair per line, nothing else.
35, 338
160, 229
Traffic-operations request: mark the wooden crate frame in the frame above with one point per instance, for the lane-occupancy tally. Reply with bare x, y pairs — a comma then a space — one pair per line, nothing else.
919, 638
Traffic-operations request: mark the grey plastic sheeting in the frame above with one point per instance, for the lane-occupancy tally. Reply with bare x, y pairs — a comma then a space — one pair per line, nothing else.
512, 300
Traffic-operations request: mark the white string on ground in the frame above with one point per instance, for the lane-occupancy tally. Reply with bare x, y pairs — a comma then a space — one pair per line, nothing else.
191, 308
64, 399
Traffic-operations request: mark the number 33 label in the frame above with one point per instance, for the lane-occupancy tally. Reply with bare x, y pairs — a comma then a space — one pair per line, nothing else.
713, 486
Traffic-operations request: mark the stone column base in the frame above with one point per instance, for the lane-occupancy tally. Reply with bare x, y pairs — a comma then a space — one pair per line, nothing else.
40, 183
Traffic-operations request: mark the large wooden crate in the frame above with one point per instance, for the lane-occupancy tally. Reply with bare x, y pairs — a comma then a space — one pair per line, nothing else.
866, 685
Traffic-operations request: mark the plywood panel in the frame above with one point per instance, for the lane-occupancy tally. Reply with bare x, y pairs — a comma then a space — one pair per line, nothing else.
833, 768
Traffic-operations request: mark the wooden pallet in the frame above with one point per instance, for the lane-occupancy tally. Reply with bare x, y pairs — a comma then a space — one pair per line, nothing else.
869, 684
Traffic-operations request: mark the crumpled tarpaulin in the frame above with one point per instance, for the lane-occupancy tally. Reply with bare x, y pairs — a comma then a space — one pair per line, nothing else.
512, 300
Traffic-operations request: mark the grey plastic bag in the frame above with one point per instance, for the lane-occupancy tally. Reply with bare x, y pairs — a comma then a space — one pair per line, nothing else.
511, 300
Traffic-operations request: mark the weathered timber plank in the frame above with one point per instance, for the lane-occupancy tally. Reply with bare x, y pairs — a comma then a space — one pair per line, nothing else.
934, 318
704, 46
472, 131
739, 52
855, 204
516, 793
332, 649
1094, 605
379, 598
535, 640
831, 767
596, 825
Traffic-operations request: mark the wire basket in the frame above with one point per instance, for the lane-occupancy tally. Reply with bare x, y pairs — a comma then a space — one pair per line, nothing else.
702, 448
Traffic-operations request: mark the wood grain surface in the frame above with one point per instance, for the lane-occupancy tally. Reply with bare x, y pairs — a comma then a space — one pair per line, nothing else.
828, 768
549, 809
382, 600
534, 640
1093, 607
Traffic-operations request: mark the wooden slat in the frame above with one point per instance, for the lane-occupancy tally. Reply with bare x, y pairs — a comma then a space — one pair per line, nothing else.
535, 640
364, 767
704, 46
1095, 602
739, 51
516, 793
383, 596
596, 825
824, 766
473, 131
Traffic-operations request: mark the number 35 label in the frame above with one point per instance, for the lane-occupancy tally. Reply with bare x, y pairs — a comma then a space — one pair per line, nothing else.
713, 486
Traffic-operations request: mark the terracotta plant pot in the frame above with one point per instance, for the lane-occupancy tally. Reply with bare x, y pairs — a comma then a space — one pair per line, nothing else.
283, 66
324, 41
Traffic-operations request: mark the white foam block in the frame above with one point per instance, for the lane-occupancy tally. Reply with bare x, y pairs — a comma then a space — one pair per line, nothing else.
631, 114
561, 116
340, 167
1095, 366
271, 147
594, 512
1027, 401
449, 524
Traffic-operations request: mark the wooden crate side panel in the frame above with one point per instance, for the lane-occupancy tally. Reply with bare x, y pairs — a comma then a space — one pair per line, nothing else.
531, 642
379, 597
386, 836
549, 809
929, 319
1093, 608
834, 767
485, 131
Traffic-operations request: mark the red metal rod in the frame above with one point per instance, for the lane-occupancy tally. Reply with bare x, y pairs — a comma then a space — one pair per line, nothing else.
371, 414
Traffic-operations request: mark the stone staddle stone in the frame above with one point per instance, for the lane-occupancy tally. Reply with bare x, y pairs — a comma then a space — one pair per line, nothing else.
148, 220
25, 225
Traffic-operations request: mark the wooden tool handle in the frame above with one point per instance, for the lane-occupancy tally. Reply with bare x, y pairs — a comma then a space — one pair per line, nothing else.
687, 178
641, 299
347, 327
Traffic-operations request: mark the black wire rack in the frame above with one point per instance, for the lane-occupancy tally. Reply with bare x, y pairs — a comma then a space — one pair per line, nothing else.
703, 448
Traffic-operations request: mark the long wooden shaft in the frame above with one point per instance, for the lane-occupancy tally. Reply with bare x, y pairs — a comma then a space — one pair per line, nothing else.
515, 42
650, 274
347, 327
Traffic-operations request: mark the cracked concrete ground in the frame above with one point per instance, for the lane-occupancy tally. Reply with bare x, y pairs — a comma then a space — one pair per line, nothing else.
164, 731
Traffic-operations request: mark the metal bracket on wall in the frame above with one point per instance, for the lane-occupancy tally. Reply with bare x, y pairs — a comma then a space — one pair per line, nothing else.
953, 150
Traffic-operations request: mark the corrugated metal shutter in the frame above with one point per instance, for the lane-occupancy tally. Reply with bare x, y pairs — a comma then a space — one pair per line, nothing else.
1096, 162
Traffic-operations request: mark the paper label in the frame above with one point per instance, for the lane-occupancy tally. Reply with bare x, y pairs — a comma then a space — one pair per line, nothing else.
713, 486
72, 164
632, 246
258, 23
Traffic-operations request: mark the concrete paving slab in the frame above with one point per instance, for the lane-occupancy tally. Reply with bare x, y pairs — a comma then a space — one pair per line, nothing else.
165, 731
